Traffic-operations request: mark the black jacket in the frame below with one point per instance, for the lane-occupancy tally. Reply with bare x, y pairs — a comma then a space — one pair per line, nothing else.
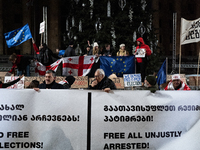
45, 56
25, 61
53, 85
105, 83
69, 52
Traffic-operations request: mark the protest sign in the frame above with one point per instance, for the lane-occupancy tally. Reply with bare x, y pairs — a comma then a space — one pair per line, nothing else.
144, 120
64, 119
132, 80
42, 27
49, 119
18, 85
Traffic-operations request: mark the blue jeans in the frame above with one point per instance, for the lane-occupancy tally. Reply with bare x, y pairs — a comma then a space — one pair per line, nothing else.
27, 71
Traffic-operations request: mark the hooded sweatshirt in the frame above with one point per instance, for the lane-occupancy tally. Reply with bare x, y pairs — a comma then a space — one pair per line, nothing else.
142, 45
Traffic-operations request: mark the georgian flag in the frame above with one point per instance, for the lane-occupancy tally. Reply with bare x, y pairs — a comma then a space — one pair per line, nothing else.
41, 69
77, 65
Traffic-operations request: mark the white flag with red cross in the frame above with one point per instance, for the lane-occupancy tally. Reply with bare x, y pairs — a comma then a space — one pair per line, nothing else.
77, 65
41, 69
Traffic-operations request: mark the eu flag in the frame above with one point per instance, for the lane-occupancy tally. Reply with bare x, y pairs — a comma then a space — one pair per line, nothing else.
18, 36
161, 75
118, 65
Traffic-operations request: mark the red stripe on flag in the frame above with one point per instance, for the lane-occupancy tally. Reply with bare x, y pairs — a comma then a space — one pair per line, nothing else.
80, 70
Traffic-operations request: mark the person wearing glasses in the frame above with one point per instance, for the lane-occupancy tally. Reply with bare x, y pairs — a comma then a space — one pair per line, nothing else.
102, 82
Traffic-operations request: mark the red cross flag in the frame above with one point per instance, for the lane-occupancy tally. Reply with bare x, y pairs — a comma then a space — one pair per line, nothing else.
41, 69
78, 65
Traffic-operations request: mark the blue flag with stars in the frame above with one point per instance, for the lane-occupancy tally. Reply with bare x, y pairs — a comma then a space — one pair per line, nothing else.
118, 65
18, 36
161, 75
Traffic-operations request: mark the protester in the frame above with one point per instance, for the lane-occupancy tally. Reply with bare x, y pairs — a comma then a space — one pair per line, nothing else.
70, 51
122, 51
33, 84
102, 82
69, 80
95, 50
5, 85
88, 50
150, 83
21, 63
108, 51
46, 54
49, 82
141, 62
176, 84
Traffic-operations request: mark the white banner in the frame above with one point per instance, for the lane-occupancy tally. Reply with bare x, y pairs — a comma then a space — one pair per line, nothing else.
48, 120
120, 120
18, 85
142, 120
190, 31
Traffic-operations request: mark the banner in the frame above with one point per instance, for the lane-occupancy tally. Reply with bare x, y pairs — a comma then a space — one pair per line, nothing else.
125, 120
190, 30
77, 65
119, 120
48, 120
18, 85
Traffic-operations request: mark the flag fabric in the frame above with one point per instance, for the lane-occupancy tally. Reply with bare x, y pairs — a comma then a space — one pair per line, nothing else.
77, 65
118, 65
18, 36
41, 69
161, 75
190, 31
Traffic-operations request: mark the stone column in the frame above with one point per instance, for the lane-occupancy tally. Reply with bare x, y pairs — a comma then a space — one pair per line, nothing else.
26, 11
53, 25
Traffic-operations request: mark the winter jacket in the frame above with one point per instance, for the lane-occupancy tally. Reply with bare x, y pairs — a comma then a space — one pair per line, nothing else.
53, 85
45, 56
69, 52
104, 83
142, 45
171, 87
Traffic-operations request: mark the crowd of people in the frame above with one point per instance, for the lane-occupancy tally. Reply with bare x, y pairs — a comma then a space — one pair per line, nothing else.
44, 55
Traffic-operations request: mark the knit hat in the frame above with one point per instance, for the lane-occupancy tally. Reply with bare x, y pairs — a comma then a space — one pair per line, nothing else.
121, 45
95, 44
176, 77
71, 43
70, 79
151, 79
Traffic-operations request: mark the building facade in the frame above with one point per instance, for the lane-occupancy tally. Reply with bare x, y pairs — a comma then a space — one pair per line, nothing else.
16, 13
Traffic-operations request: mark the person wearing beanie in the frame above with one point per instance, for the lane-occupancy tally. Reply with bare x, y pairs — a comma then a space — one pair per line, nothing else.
69, 80
70, 51
176, 84
122, 51
95, 50
150, 83
141, 62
